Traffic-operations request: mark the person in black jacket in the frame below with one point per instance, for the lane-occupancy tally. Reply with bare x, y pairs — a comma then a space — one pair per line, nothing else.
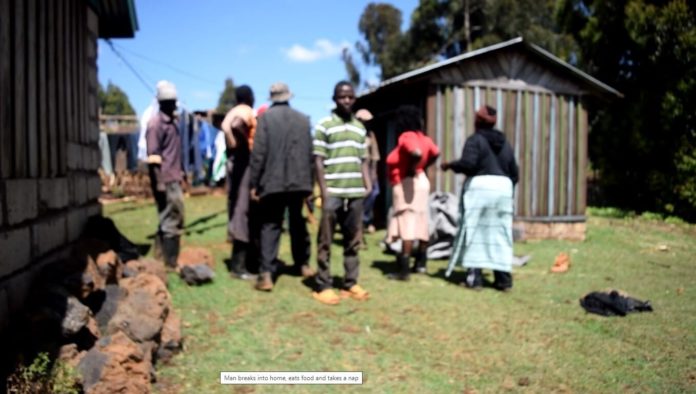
280, 178
484, 238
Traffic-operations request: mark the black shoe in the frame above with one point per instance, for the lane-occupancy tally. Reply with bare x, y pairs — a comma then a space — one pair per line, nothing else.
420, 263
503, 281
402, 272
474, 279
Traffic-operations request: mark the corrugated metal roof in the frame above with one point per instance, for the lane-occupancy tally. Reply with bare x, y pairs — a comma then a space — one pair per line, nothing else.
518, 41
117, 18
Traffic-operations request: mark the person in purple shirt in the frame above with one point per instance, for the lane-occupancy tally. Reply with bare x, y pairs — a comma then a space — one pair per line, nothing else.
166, 173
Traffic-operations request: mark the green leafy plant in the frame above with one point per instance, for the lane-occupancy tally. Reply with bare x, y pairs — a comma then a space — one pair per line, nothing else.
610, 212
42, 376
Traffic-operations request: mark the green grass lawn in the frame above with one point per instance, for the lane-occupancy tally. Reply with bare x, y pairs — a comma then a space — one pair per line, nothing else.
430, 335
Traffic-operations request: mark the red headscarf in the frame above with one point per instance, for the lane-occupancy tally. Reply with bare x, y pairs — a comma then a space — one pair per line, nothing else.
486, 116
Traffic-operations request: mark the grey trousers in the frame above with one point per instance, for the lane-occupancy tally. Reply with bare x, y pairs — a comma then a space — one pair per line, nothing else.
171, 218
347, 212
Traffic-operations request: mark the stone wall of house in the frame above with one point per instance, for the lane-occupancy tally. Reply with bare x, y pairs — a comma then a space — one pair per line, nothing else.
49, 185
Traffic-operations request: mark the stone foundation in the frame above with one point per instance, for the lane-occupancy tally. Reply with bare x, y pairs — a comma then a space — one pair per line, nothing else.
574, 231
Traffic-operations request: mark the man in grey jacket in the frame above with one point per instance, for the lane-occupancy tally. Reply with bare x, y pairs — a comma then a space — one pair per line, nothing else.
280, 178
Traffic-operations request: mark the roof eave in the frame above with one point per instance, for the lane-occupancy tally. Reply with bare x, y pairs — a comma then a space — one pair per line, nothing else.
117, 18
600, 88
603, 89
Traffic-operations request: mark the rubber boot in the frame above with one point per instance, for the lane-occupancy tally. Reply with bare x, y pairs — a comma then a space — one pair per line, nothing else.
157, 249
420, 263
402, 266
238, 264
170, 251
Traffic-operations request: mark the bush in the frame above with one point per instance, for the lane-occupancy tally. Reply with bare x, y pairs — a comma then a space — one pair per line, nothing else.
40, 377
675, 220
610, 212
647, 215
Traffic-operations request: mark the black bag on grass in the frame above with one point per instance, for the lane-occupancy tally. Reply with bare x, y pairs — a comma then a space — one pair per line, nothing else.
613, 303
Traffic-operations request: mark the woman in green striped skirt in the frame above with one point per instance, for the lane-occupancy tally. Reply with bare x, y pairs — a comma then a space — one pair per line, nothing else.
484, 236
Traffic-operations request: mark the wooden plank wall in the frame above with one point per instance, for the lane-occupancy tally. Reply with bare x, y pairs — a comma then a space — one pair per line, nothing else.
43, 84
6, 89
548, 133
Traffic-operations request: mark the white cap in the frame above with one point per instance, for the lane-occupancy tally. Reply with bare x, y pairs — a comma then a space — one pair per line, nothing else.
166, 91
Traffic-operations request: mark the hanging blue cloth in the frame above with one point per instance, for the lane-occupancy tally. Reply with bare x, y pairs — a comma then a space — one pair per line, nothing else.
206, 139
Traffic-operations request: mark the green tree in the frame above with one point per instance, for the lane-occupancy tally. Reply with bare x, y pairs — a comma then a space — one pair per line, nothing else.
535, 20
440, 29
351, 68
644, 146
114, 101
228, 98
380, 25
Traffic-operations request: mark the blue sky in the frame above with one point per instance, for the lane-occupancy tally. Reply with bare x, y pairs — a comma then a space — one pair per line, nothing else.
197, 44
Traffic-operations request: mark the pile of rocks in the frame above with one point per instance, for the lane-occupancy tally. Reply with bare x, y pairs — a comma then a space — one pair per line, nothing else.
110, 320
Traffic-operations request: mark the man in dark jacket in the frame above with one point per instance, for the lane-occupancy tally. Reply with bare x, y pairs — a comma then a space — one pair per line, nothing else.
280, 178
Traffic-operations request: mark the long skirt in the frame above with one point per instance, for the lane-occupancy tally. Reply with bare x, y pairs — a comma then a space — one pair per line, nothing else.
238, 226
410, 206
484, 236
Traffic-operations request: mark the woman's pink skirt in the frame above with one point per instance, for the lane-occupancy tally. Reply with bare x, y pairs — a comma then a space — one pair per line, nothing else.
410, 202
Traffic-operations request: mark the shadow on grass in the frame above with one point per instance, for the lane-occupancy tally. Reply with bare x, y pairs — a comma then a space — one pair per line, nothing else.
387, 267
202, 219
204, 229
206, 218
125, 209
228, 264
143, 249
311, 283
457, 277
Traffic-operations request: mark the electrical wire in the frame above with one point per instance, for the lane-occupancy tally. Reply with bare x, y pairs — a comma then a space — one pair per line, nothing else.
137, 74
161, 63
180, 71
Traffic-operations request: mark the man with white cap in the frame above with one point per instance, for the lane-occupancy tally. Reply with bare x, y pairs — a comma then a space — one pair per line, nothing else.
280, 178
166, 173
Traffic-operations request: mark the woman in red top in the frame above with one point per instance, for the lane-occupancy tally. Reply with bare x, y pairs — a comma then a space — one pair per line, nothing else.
406, 166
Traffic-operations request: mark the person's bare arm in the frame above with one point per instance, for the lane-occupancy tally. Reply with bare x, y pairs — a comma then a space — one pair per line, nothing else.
319, 167
366, 176
226, 127
240, 129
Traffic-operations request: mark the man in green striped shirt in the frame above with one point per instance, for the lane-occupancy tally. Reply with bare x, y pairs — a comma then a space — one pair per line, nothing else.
343, 176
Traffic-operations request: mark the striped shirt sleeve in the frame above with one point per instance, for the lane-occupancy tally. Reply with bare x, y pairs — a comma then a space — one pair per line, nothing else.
320, 141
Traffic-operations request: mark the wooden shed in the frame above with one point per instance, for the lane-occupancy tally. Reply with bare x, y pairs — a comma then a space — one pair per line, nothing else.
49, 131
541, 102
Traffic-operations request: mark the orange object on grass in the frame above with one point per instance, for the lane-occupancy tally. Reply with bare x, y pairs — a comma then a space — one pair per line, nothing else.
562, 263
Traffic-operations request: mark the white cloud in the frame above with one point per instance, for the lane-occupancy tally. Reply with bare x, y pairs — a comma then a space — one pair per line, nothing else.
322, 49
